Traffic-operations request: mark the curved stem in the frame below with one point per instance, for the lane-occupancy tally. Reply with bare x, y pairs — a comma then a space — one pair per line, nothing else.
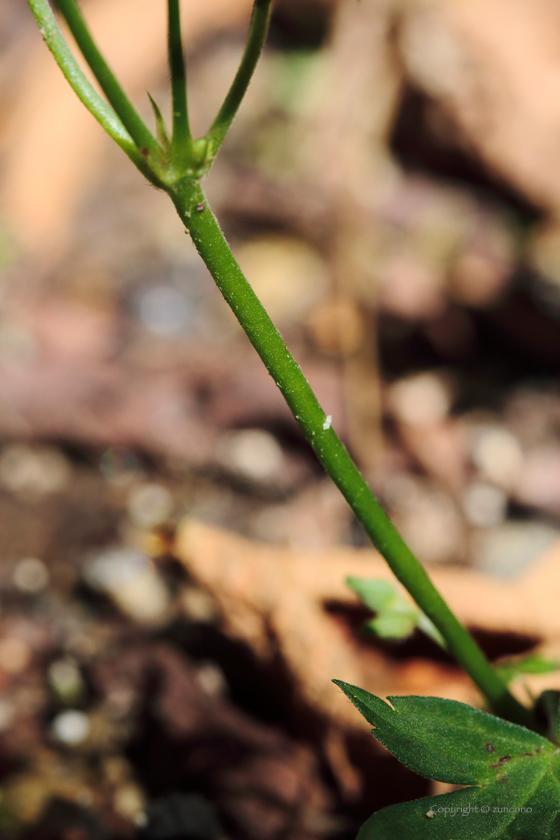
181, 141
258, 29
75, 77
128, 114
191, 205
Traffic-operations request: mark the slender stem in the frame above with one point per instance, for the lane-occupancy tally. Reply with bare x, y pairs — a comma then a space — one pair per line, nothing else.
192, 207
81, 86
182, 141
128, 114
258, 29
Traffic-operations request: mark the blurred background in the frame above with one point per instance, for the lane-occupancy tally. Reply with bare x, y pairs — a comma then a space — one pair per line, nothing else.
172, 597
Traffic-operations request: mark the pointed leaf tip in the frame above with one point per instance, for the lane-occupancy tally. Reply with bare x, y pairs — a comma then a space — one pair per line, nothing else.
161, 129
444, 739
516, 772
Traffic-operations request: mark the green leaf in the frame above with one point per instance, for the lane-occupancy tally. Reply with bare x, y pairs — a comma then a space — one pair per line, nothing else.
533, 663
516, 772
161, 129
375, 594
391, 625
396, 617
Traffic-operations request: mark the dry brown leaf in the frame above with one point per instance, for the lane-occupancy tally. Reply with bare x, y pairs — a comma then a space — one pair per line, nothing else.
493, 65
274, 598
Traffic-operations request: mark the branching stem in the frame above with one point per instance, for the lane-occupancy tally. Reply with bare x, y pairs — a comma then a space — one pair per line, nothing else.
181, 143
75, 77
128, 114
258, 29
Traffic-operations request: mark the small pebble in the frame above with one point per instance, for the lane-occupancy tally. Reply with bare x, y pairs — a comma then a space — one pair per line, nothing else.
71, 727
31, 575
129, 802
211, 679
498, 455
132, 581
484, 505
422, 400
252, 453
24, 469
150, 505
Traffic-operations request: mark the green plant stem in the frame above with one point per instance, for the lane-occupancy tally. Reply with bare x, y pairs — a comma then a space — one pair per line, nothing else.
182, 141
128, 114
190, 202
199, 220
258, 29
81, 86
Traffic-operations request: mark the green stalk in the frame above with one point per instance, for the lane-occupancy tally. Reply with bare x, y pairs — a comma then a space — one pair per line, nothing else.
258, 29
209, 240
181, 143
190, 202
128, 114
81, 86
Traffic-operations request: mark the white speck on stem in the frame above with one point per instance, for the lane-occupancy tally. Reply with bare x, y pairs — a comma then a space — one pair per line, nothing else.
430, 814
327, 423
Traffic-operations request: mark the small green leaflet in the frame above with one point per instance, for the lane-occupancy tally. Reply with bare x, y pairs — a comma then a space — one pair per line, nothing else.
396, 617
533, 663
161, 129
515, 773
